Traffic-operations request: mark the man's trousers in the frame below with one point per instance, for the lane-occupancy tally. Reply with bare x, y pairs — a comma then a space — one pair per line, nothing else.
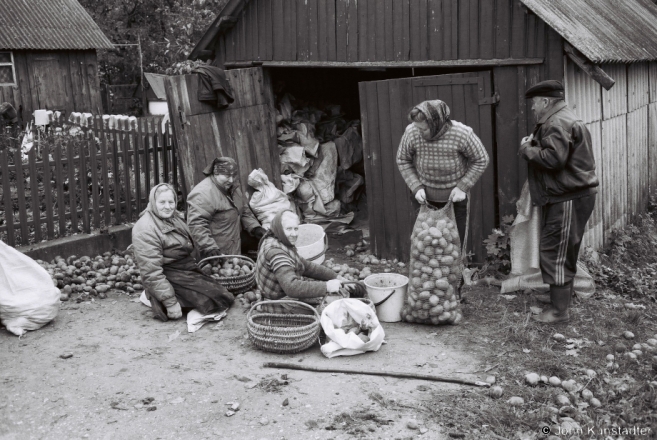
563, 226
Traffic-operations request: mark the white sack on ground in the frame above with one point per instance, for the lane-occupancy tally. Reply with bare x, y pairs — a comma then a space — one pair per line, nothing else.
294, 159
336, 318
525, 253
267, 200
28, 298
290, 182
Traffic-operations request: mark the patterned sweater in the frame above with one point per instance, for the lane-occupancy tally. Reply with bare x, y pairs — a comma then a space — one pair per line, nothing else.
280, 272
457, 158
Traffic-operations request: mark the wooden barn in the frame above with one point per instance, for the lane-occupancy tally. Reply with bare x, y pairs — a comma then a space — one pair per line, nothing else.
378, 58
48, 57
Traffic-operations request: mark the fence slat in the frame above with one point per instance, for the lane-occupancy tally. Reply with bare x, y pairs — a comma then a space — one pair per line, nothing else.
117, 181
139, 145
162, 145
125, 142
156, 160
105, 179
6, 192
147, 160
174, 159
47, 190
20, 192
59, 182
84, 185
72, 193
95, 196
34, 199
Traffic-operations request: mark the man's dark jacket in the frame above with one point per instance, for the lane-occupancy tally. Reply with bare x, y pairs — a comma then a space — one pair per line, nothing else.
560, 158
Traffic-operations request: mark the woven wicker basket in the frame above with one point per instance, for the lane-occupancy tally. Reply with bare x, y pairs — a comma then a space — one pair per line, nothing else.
236, 284
273, 328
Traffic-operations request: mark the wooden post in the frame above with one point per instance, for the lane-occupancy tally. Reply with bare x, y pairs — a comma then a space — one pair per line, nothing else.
72, 193
20, 192
34, 199
6, 192
47, 189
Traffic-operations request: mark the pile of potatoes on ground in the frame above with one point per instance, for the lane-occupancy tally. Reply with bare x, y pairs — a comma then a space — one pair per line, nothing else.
85, 277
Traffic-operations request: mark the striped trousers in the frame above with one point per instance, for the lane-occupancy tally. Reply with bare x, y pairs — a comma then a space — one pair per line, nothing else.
562, 229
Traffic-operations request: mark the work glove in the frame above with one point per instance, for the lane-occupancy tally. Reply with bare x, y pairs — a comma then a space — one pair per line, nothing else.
258, 232
333, 286
174, 312
457, 195
215, 252
421, 196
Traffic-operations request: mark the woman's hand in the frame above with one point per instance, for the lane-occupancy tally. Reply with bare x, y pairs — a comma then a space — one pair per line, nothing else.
457, 195
421, 196
333, 286
174, 312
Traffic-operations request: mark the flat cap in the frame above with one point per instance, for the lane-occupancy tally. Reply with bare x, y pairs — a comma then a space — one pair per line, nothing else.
549, 88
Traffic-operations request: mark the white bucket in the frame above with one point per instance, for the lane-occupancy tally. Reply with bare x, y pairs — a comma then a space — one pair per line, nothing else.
388, 292
312, 243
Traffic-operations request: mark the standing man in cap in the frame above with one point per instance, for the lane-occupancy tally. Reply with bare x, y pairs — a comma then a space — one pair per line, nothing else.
218, 213
563, 183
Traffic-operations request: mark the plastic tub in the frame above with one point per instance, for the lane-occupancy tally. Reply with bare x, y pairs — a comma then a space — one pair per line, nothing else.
312, 243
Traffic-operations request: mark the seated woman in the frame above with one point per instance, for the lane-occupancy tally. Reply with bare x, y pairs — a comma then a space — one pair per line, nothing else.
280, 270
163, 249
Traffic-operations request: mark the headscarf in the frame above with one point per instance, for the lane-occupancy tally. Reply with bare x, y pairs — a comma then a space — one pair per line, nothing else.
276, 229
221, 165
152, 205
436, 113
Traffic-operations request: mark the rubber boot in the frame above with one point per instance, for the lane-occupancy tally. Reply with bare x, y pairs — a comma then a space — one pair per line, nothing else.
543, 298
561, 297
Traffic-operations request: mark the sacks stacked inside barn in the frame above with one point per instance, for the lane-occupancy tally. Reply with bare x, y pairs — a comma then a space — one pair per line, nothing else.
435, 269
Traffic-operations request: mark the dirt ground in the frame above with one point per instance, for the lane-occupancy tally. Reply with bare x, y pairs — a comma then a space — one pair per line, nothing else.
107, 370
131, 376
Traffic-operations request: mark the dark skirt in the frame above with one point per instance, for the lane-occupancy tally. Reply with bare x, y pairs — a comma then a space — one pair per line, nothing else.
196, 290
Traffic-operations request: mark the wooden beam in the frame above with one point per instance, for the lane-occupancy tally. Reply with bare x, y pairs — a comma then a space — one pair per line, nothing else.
592, 70
390, 64
225, 20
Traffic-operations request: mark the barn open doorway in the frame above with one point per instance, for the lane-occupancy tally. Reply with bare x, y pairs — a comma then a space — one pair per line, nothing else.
378, 108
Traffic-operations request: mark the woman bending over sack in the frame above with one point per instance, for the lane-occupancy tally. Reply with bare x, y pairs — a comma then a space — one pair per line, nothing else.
280, 270
164, 250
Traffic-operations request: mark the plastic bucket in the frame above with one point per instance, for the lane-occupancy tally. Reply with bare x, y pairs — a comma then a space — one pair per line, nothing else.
388, 292
312, 243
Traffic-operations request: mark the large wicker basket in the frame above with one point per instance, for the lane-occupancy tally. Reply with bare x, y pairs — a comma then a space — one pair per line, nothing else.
283, 326
235, 284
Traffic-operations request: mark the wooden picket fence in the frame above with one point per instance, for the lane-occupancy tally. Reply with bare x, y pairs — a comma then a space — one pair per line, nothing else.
90, 181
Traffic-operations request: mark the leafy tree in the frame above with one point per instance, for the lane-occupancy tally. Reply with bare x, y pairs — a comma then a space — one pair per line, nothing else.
168, 29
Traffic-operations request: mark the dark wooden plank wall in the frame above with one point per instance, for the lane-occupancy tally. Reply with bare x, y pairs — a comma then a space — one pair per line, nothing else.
514, 118
383, 30
58, 80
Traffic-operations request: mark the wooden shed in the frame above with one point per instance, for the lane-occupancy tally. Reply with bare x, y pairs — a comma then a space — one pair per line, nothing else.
48, 56
381, 57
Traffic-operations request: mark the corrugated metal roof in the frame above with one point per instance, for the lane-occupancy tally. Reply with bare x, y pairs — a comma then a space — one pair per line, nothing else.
603, 30
156, 81
48, 25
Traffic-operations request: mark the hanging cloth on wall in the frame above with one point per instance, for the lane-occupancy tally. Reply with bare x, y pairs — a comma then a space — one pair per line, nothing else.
213, 86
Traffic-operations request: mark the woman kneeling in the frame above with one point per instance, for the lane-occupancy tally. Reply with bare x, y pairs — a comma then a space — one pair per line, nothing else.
280, 269
164, 250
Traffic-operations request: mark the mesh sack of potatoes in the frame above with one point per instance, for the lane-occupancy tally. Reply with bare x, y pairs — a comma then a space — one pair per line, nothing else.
435, 269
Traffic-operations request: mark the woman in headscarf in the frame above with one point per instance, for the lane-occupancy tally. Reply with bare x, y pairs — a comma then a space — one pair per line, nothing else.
281, 272
163, 248
218, 214
440, 159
